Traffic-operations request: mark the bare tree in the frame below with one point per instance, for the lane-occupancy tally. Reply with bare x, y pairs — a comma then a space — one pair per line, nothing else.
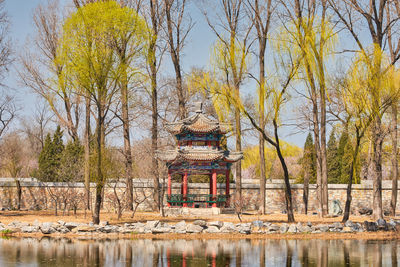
8, 111
152, 11
7, 103
44, 74
6, 51
36, 126
178, 25
13, 151
260, 14
139, 196
116, 197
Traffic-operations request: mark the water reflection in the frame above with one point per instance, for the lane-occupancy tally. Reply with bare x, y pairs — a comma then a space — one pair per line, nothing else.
166, 253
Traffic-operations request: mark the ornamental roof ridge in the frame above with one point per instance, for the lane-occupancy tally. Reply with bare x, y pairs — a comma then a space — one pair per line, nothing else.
199, 155
198, 123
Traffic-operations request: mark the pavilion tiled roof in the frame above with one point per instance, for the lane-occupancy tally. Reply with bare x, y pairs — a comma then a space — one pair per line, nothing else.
191, 154
198, 123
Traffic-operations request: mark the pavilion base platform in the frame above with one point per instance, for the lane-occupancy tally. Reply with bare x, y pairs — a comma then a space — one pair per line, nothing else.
177, 211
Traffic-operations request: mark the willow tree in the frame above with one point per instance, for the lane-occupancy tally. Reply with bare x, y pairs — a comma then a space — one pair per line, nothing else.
226, 19
379, 19
87, 49
361, 107
312, 37
274, 98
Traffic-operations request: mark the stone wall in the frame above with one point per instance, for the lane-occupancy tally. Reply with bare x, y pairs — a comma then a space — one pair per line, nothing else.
38, 195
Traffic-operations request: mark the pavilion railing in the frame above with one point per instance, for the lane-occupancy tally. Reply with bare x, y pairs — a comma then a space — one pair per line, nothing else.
197, 200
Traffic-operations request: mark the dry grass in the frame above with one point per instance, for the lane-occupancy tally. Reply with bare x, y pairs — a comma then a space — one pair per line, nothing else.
48, 216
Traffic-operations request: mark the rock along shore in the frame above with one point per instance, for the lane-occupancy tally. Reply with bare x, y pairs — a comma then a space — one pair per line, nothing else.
196, 227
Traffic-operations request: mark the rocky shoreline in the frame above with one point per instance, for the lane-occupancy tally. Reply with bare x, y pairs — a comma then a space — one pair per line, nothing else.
196, 227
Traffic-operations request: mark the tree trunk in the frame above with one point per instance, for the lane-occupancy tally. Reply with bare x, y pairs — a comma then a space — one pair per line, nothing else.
317, 140
324, 168
262, 44
87, 152
322, 96
97, 205
72, 130
262, 175
262, 254
181, 93
154, 103
306, 191
56, 208
289, 254
154, 141
395, 170
377, 140
238, 136
288, 190
346, 214
100, 137
19, 193
318, 158
127, 144
154, 134
175, 56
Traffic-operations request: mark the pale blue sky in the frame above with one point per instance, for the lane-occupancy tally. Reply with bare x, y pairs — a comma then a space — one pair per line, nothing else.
196, 52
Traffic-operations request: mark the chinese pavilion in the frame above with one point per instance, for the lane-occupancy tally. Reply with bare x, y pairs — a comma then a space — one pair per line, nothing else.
198, 151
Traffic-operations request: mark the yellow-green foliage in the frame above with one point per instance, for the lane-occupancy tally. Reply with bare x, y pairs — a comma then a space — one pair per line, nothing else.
373, 84
229, 60
112, 165
87, 48
251, 156
311, 40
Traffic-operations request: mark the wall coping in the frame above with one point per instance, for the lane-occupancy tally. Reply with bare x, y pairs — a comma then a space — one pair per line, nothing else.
141, 183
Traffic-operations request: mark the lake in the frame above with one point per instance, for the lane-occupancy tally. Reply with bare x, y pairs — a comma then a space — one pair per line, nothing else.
220, 252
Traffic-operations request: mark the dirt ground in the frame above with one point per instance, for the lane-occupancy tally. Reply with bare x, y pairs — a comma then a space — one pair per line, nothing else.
48, 216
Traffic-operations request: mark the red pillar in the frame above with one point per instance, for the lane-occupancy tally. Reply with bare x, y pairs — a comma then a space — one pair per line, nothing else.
214, 186
168, 258
227, 187
210, 191
185, 189
169, 186
214, 259
184, 259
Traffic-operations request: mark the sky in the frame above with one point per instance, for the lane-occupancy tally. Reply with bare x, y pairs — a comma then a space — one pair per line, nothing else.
20, 15
196, 53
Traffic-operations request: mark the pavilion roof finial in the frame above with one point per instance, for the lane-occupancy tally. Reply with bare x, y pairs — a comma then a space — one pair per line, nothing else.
198, 107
